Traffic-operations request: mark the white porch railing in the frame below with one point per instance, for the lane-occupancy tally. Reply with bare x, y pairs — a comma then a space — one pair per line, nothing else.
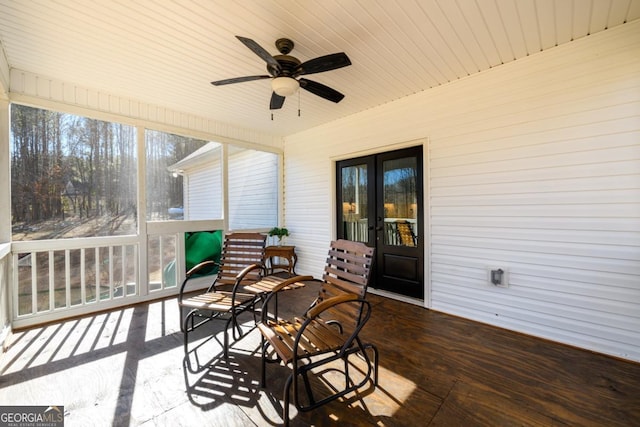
54, 279
59, 278
5, 316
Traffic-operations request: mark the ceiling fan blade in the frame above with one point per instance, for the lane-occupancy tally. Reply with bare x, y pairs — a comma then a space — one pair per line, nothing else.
321, 90
239, 80
274, 66
277, 101
323, 63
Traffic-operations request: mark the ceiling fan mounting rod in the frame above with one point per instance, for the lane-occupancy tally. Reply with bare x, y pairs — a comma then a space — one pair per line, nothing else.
284, 45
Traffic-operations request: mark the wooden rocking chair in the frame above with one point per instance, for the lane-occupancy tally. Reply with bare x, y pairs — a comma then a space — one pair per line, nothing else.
241, 265
406, 236
327, 332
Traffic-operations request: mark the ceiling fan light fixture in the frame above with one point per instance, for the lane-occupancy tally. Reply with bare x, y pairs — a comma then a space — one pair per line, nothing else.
284, 86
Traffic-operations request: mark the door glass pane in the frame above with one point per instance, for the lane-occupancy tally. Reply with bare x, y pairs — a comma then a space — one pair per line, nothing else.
400, 202
354, 203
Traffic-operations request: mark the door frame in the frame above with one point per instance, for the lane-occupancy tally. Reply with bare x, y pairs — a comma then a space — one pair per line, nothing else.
426, 211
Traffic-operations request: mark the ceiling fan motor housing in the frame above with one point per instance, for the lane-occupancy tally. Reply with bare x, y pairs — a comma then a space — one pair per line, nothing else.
288, 63
288, 66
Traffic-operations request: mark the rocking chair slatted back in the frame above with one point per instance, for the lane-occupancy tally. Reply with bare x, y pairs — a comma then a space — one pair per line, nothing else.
347, 267
240, 250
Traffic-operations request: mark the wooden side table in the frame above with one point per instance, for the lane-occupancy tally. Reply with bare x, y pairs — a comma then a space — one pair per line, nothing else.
276, 254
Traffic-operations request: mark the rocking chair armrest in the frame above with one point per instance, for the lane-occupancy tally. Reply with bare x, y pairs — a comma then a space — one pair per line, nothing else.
240, 277
196, 268
277, 289
247, 270
289, 281
313, 317
193, 271
330, 302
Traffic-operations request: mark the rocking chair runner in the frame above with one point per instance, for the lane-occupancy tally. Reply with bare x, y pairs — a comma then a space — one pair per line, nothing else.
241, 265
327, 332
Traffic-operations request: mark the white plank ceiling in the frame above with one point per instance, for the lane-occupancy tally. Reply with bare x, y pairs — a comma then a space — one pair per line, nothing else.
166, 52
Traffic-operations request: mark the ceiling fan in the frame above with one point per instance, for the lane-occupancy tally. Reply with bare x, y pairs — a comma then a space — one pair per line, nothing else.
285, 72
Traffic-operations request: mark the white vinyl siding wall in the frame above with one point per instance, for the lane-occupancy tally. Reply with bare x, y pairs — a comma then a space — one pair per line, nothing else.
253, 189
203, 192
532, 166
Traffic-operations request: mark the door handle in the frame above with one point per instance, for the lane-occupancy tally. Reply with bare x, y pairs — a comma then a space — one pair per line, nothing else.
378, 228
370, 227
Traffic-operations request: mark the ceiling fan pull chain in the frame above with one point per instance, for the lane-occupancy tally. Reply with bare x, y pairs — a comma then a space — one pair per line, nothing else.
298, 103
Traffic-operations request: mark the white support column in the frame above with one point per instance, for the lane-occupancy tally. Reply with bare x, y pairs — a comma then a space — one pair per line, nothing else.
5, 223
5, 177
5, 74
225, 187
143, 272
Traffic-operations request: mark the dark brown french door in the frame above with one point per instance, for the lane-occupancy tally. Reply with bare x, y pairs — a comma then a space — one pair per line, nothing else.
380, 202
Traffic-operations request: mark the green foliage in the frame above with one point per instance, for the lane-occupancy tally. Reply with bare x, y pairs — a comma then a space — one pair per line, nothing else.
279, 232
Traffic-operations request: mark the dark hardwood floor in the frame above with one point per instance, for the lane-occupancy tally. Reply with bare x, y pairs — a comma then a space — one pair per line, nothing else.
127, 367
